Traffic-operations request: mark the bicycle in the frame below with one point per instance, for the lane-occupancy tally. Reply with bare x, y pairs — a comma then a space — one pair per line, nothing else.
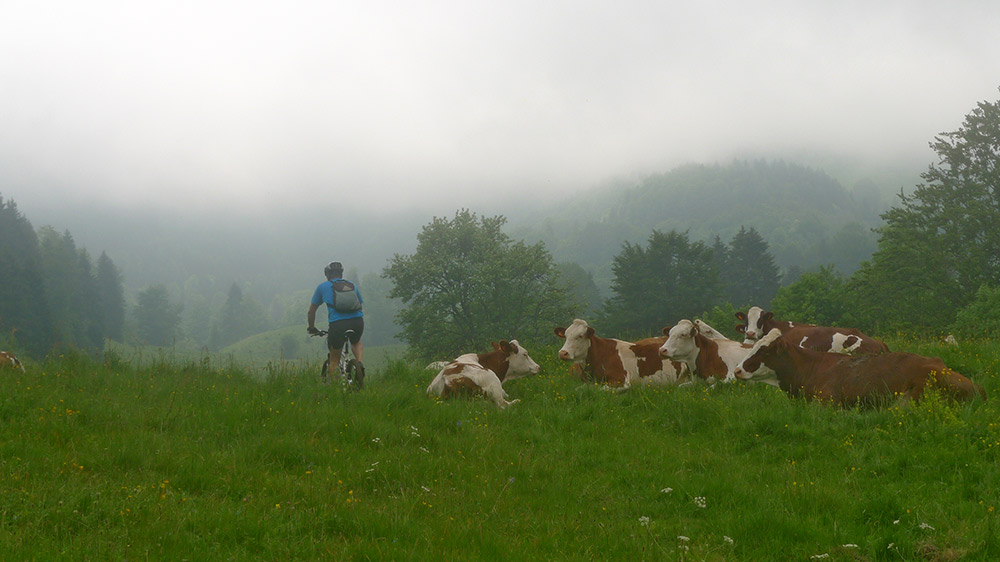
352, 371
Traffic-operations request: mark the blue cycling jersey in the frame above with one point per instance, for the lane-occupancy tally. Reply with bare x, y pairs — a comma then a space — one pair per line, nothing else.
324, 294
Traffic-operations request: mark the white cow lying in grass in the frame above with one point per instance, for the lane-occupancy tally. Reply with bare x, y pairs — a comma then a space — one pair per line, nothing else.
484, 373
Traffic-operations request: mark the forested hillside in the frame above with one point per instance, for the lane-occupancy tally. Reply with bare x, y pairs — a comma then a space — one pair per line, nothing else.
808, 218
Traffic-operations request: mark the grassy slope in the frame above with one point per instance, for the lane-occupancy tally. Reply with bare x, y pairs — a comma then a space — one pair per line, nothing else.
174, 460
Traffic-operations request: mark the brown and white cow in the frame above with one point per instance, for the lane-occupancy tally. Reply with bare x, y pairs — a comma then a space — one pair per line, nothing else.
710, 359
616, 362
485, 373
865, 380
757, 322
9, 361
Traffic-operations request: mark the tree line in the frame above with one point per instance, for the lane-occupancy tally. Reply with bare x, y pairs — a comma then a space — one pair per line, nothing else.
936, 269
52, 294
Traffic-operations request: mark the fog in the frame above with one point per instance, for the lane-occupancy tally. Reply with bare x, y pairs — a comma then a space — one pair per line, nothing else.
252, 107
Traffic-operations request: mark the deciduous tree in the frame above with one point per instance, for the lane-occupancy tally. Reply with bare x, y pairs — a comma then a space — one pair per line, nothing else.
469, 283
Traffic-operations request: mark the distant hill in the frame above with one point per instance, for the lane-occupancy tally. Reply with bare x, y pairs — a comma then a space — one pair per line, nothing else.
807, 217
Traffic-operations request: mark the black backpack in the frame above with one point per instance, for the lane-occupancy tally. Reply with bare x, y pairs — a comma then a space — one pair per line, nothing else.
345, 296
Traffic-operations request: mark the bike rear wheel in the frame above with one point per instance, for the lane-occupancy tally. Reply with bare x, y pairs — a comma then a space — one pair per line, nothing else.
354, 371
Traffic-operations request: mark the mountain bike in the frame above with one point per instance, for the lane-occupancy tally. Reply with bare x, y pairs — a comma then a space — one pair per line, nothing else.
352, 371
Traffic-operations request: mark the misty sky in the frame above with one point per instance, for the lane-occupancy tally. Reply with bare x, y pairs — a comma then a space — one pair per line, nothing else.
195, 104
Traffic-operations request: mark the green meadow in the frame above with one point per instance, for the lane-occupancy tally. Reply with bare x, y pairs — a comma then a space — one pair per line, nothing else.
169, 458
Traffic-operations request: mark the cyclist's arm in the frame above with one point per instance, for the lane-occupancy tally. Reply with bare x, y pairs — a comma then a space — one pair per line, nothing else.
311, 315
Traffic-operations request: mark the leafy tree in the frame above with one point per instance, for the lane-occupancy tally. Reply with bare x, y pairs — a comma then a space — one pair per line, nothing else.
112, 298
24, 307
469, 283
942, 242
657, 285
157, 319
981, 318
815, 298
752, 277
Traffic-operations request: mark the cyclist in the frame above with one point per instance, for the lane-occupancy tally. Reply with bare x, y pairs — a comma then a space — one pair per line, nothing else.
344, 304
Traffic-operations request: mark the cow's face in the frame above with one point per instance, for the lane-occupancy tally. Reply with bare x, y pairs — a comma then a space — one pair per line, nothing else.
764, 348
680, 344
519, 363
755, 323
577, 341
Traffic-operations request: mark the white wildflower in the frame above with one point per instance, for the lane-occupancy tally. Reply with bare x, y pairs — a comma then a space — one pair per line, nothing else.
666, 490
819, 556
682, 538
644, 521
727, 539
926, 527
849, 545
700, 502
376, 440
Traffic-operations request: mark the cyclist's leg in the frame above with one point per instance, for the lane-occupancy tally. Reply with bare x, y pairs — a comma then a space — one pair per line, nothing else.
356, 346
334, 341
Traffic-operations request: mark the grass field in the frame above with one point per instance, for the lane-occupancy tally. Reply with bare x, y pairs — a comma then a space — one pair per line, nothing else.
190, 460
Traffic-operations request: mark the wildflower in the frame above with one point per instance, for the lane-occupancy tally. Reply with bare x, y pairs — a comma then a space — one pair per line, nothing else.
727, 539
644, 521
425, 488
819, 556
376, 440
926, 527
700, 502
666, 490
849, 545
682, 538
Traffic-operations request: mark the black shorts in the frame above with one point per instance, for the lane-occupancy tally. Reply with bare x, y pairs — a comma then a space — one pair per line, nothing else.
337, 332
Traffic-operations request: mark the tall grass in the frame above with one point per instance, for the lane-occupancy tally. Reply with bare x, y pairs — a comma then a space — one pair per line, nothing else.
192, 460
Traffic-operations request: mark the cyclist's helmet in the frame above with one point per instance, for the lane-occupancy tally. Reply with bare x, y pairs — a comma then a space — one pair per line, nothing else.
333, 270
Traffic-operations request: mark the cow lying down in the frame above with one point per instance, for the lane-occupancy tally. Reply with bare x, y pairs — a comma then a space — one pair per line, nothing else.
9, 361
867, 380
617, 363
484, 373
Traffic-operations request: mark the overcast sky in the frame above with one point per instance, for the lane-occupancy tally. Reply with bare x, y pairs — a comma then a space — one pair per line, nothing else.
200, 104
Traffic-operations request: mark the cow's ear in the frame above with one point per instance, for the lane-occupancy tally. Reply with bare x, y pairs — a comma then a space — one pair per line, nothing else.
768, 315
590, 332
666, 330
741, 328
741, 316
495, 345
505, 347
561, 332
694, 330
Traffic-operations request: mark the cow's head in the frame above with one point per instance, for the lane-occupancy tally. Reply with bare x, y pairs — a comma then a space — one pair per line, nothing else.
755, 318
708, 331
519, 363
680, 344
577, 337
765, 348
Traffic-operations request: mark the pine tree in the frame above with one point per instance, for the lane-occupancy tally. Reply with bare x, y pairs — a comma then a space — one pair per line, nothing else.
112, 297
25, 317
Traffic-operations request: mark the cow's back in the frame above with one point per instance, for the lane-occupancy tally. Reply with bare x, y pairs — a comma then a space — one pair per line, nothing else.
874, 380
834, 340
650, 367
